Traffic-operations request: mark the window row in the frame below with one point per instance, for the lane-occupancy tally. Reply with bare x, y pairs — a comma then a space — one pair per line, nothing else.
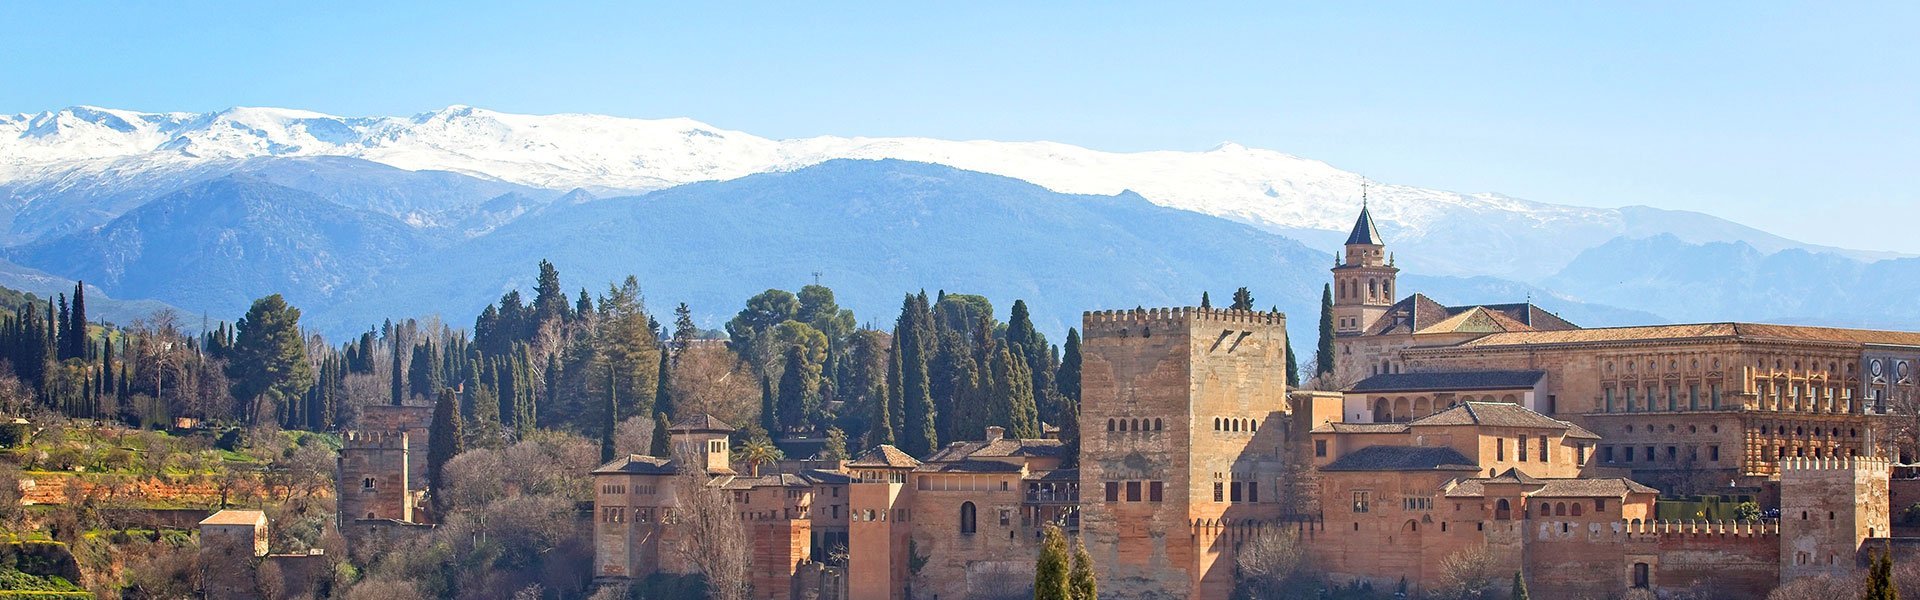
1236, 491
1520, 444
1235, 424
899, 514
1134, 425
620, 514
1155, 491
616, 489
1624, 399
1609, 454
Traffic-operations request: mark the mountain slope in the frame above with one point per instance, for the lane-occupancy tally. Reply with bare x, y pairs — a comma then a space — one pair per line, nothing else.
1440, 232
219, 244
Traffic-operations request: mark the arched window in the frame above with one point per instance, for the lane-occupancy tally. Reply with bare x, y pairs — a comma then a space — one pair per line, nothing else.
1110, 425
1123, 424
1575, 509
1373, 288
1502, 510
1156, 425
967, 524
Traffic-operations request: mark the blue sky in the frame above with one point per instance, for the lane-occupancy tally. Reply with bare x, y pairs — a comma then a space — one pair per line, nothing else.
1796, 118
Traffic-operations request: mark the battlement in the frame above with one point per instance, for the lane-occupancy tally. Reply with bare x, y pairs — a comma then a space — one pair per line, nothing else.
373, 440
1123, 323
1814, 467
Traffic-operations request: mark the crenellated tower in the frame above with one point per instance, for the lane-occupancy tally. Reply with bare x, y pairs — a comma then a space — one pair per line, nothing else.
1363, 281
1829, 508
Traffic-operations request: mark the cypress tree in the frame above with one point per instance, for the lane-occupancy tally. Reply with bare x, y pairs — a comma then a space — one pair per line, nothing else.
1323, 353
613, 419
1052, 571
1880, 584
1068, 380
1293, 368
912, 334
1080, 581
62, 331
1012, 403
796, 386
443, 443
663, 385
1242, 300
658, 448
423, 373
1519, 587
1205, 302
886, 408
78, 347
399, 383
769, 415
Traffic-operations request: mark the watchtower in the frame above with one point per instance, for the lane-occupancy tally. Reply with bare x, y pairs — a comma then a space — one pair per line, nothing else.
1363, 283
1174, 408
1829, 508
372, 482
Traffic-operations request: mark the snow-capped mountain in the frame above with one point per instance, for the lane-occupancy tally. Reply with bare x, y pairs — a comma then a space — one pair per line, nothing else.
1445, 233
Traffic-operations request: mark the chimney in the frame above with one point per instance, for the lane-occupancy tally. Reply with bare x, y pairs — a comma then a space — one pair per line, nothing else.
995, 433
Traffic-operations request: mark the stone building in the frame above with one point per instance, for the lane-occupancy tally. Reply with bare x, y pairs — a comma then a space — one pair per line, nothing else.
232, 542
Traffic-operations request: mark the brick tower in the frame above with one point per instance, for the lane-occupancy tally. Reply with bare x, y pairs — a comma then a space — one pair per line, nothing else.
1829, 508
373, 481
1174, 407
1363, 283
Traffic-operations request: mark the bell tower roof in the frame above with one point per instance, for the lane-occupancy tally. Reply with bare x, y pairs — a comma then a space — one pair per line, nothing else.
1363, 230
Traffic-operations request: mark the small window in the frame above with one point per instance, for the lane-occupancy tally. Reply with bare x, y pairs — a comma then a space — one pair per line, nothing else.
1253, 491
1219, 492
366, 484
1113, 491
967, 524
1362, 502
1133, 491
1156, 491
1236, 491
1320, 448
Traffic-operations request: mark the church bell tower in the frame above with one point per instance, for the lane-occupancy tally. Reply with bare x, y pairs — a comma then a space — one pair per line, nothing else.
1363, 281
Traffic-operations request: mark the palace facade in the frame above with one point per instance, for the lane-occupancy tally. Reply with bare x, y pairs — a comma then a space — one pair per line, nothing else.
1452, 429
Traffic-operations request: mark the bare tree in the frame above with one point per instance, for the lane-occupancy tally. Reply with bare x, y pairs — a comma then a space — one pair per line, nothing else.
1816, 588
714, 540
1468, 574
711, 379
1269, 559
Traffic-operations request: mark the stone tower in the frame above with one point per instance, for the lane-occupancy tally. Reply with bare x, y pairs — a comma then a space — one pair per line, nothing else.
1829, 508
706, 439
1363, 282
1173, 436
373, 481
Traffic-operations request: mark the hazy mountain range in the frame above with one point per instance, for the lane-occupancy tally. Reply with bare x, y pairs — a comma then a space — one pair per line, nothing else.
357, 219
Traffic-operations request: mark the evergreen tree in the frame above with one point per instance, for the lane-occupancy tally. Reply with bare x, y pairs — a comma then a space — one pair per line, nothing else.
1242, 300
1205, 302
423, 373
1080, 581
613, 419
886, 408
1052, 572
443, 443
911, 338
769, 413
584, 306
1011, 405
663, 388
659, 448
269, 366
684, 331
836, 446
549, 301
796, 388
78, 345
1323, 352
1519, 587
1880, 585
1068, 380
62, 332
1293, 368
399, 378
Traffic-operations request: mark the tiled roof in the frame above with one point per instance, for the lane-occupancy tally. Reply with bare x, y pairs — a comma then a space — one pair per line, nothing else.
1534, 317
884, 456
1491, 414
638, 464
1729, 330
1402, 458
1477, 319
1449, 381
1339, 427
1605, 487
1055, 475
1363, 230
819, 476
236, 517
999, 449
702, 422
776, 480
969, 466
1408, 315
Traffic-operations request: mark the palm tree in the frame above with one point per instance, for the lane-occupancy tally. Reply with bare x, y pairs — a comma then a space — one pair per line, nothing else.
756, 452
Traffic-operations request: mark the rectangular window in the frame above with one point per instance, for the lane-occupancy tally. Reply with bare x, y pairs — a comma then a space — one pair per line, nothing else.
1499, 449
1360, 502
1156, 491
1713, 391
1713, 453
1693, 396
1236, 491
1320, 448
1606, 454
1629, 392
1609, 392
1253, 491
1113, 491
1580, 452
1133, 491
1219, 492
1520, 445
1649, 453
1673, 454
1006, 516
1673, 399
1543, 448
1599, 504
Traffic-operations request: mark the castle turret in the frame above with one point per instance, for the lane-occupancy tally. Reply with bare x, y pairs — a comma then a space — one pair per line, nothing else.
1363, 282
1829, 508
706, 439
373, 481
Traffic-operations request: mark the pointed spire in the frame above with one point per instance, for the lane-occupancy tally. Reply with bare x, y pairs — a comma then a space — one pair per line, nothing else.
1363, 230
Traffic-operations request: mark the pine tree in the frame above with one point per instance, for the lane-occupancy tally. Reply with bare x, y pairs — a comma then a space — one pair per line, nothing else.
1052, 571
684, 330
549, 301
658, 447
269, 366
836, 446
663, 388
443, 443
1323, 352
1519, 587
1242, 300
1080, 581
